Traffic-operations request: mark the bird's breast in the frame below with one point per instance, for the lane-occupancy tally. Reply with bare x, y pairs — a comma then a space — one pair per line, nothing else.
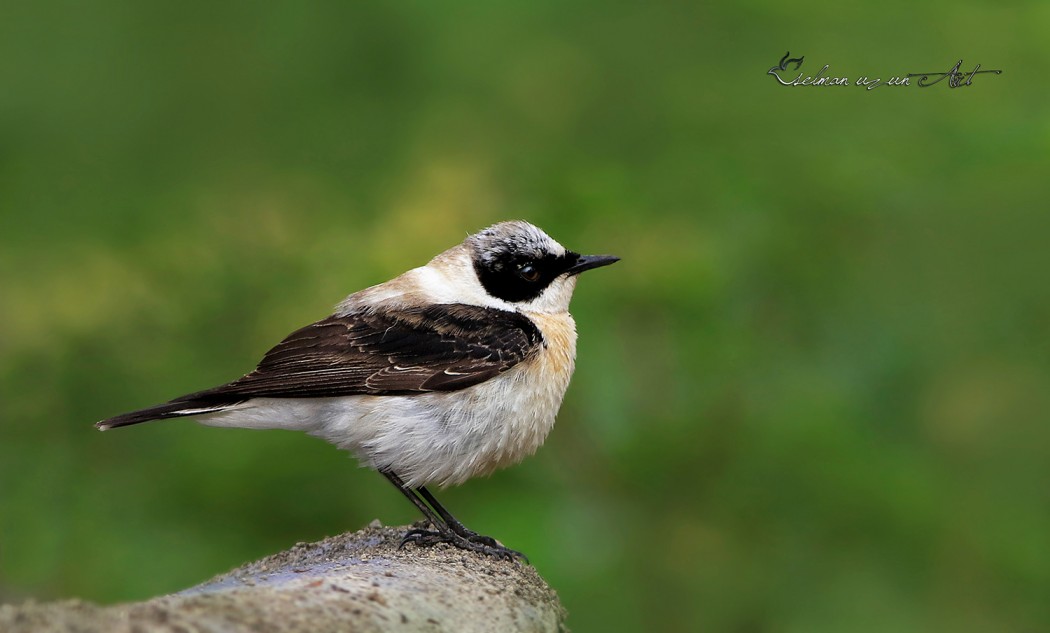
557, 358
507, 418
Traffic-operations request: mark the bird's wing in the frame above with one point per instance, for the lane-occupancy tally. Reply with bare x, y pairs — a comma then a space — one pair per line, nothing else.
443, 347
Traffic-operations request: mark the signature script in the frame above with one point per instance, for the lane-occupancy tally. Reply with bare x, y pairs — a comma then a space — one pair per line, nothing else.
818, 80
954, 76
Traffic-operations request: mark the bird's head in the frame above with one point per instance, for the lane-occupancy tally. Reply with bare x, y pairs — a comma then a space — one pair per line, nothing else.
517, 263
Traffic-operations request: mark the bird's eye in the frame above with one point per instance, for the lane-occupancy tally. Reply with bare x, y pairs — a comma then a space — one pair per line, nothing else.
528, 272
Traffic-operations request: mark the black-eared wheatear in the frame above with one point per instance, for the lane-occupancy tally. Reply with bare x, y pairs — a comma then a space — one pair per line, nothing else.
450, 371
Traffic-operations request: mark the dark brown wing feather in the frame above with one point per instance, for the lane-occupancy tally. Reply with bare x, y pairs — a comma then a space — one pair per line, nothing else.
442, 347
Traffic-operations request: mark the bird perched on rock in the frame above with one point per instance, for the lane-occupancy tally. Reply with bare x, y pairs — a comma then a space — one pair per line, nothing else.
449, 371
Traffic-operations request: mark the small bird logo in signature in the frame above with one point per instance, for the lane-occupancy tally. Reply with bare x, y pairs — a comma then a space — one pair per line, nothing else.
784, 61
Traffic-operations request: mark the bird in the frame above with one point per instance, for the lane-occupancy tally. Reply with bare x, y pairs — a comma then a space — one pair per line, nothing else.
449, 371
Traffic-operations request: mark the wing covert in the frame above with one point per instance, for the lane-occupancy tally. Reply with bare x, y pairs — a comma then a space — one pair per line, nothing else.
443, 347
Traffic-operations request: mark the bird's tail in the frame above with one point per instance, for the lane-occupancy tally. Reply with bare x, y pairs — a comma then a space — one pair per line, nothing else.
173, 409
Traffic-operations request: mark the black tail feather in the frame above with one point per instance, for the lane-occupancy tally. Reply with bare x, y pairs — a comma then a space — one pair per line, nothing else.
173, 409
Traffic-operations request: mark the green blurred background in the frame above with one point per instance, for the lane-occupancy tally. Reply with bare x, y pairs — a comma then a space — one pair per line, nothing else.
812, 397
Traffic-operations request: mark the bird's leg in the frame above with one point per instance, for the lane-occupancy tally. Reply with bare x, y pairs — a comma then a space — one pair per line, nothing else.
452, 522
447, 528
423, 507
457, 528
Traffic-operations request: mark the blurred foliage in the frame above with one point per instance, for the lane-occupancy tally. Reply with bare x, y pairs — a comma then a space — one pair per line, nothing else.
812, 397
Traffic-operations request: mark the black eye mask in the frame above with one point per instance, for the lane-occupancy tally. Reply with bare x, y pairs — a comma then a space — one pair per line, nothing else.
516, 278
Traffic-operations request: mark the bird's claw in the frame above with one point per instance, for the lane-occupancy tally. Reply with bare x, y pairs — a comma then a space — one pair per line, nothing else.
472, 542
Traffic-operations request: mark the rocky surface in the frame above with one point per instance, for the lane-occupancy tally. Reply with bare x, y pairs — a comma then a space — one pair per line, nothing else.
358, 582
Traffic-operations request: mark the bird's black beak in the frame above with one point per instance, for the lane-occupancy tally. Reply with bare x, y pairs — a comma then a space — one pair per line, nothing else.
587, 262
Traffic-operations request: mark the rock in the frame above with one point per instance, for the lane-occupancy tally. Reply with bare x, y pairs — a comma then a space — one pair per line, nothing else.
357, 582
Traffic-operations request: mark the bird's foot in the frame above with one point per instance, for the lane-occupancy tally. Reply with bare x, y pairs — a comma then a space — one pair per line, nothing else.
471, 541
